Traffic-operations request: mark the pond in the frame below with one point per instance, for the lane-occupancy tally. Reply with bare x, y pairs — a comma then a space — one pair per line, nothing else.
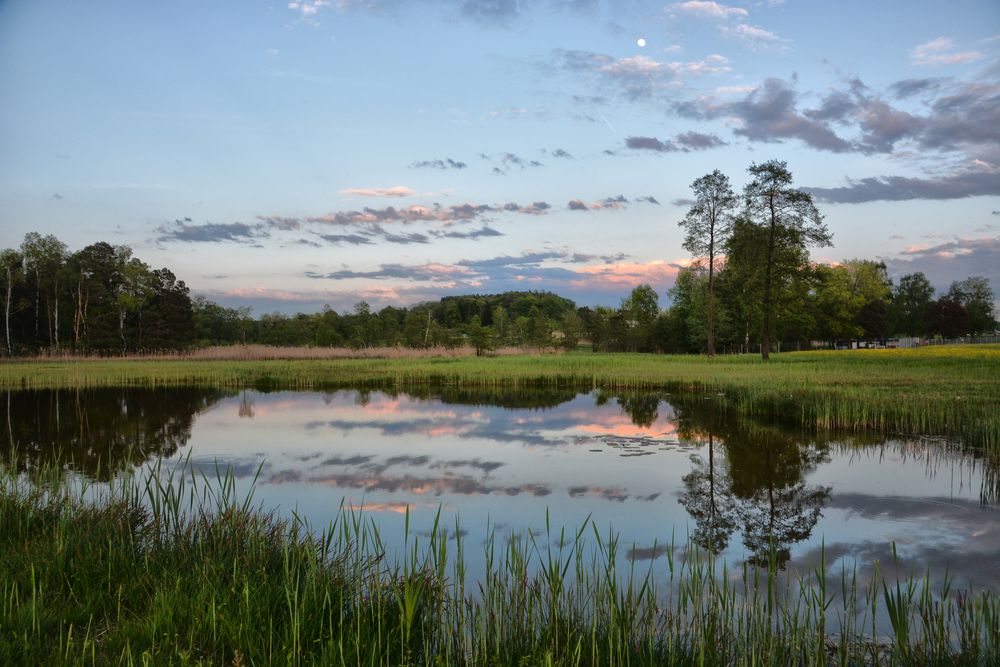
654, 468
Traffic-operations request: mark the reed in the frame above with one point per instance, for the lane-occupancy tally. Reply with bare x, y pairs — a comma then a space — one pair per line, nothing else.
168, 567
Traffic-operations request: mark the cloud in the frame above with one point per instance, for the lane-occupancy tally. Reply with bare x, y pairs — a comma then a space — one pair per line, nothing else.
490, 11
422, 273
583, 258
186, 231
614, 203
963, 115
445, 163
279, 222
910, 87
308, 8
957, 185
709, 9
434, 213
769, 113
307, 242
754, 37
941, 51
406, 238
397, 191
685, 142
484, 232
952, 260
967, 113
350, 239
634, 77
509, 160
650, 144
535, 208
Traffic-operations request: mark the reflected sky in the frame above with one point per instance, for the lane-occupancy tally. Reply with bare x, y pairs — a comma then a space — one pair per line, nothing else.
657, 468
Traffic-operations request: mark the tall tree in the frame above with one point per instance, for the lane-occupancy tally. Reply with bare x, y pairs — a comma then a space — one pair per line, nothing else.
976, 295
10, 272
708, 225
44, 257
639, 309
911, 300
947, 318
789, 218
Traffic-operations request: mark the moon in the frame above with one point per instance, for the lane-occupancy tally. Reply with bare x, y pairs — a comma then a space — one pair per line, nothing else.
641, 41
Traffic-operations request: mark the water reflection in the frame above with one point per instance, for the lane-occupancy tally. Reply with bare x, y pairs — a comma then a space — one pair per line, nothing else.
656, 467
100, 432
761, 490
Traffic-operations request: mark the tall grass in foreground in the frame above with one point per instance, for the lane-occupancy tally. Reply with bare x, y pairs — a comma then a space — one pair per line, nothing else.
176, 569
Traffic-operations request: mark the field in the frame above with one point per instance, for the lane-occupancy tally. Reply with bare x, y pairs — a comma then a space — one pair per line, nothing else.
176, 569
941, 390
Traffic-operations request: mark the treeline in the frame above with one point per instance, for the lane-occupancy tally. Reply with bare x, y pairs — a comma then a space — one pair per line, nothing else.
753, 282
527, 319
822, 304
98, 299
102, 299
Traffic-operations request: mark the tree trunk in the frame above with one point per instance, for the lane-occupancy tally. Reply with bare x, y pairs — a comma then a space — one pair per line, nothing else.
765, 334
78, 315
6, 309
711, 298
38, 297
55, 310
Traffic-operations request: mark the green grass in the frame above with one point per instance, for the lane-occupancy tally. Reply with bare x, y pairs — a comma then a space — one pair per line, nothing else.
175, 569
943, 390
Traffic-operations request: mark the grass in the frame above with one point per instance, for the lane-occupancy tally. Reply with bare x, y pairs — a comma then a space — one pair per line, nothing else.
170, 568
939, 390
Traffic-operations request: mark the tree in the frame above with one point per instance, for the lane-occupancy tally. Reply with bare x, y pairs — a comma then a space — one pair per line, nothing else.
480, 337
501, 323
948, 318
10, 272
639, 310
976, 296
685, 330
853, 300
572, 330
44, 257
170, 312
910, 301
789, 219
708, 225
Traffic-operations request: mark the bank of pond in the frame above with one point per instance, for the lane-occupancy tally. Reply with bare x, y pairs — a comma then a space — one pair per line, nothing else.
458, 525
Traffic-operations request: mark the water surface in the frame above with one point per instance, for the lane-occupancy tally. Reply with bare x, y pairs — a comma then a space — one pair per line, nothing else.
653, 468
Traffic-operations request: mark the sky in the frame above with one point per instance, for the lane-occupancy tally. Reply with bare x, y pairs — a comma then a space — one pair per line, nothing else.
288, 155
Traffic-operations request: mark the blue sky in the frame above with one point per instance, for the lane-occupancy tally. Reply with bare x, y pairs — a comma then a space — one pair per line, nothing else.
287, 155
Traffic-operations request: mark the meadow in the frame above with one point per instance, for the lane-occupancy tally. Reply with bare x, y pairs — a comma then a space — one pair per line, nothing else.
175, 568
937, 390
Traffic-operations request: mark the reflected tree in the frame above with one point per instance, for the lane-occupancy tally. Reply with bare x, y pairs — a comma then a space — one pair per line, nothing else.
643, 408
99, 432
708, 498
762, 490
